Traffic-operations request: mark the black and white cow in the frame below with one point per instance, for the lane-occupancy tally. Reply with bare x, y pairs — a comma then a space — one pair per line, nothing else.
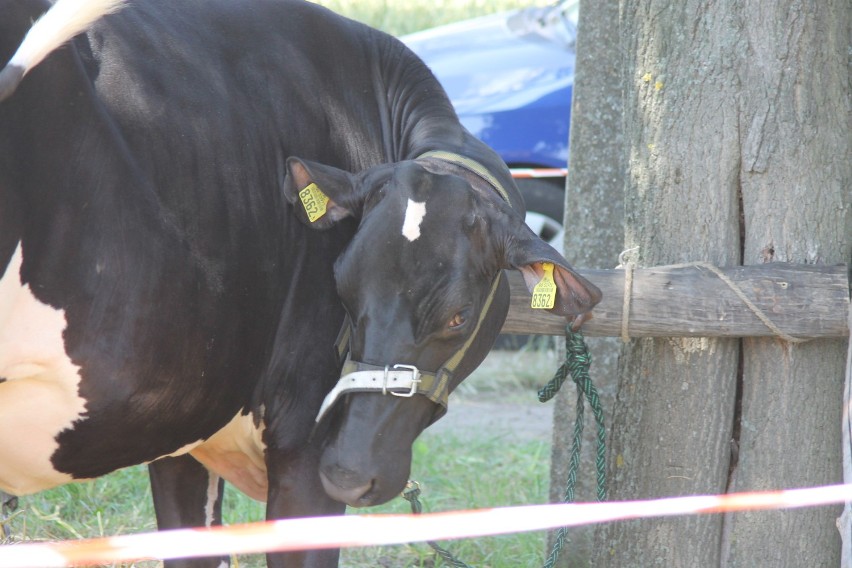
193, 194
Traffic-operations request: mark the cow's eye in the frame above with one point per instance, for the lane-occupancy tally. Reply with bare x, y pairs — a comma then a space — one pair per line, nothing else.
458, 321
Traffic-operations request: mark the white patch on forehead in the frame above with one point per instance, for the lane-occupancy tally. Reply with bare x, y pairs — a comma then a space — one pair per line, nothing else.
414, 214
40, 397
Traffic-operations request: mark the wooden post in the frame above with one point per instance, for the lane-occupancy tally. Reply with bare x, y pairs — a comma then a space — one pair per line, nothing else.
737, 125
795, 175
673, 419
802, 300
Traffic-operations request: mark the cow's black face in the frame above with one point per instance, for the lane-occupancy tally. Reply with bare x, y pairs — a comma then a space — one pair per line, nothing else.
415, 276
415, 281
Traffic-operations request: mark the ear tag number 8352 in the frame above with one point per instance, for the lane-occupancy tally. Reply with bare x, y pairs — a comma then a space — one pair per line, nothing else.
544, 293
314, 201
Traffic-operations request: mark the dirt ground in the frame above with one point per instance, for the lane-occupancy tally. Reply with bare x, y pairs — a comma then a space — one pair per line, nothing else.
512, 421
500, 397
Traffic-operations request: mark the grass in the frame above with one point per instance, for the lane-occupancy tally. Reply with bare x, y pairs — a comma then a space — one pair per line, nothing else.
454, 473
458, 474
477, 470
399, 18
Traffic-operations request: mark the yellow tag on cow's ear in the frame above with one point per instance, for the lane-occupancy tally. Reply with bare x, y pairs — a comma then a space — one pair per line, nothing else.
544, 293
314, 201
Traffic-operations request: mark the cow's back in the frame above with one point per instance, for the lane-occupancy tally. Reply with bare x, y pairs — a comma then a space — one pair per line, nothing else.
242, 82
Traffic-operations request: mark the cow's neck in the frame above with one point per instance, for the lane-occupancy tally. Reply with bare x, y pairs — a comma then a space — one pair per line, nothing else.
418, 118
416, 114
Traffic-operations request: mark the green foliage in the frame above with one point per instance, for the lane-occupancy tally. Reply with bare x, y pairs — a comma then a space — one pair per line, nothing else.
399, 18
115, 504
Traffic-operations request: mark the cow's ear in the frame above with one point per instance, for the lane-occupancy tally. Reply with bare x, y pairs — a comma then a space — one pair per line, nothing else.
574, 295
321, 195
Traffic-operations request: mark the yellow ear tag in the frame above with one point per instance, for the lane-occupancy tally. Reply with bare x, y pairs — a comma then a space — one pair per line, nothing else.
544, 293
314, 201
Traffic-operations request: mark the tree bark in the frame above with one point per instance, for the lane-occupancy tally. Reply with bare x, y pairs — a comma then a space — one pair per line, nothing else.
594, 236
796, 183
737, 117
674, 411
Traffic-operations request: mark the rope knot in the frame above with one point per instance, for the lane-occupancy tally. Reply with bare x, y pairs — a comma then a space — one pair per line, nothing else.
576, 345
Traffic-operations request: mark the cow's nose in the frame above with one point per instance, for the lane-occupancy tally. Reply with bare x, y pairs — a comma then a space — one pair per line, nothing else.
344, 490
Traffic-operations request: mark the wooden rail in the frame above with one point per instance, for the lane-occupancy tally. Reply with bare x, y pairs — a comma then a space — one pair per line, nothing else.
804, 301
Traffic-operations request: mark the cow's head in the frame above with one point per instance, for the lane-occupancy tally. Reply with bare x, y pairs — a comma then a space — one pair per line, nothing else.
422, 285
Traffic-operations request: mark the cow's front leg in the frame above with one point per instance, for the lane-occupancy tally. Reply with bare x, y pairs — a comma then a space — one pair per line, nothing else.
186, 494
295, 490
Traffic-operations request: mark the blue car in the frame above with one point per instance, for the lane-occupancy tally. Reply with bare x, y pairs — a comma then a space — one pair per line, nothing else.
510, 78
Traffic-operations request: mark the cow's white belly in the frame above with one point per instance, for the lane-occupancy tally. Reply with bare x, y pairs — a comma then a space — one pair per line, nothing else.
40, 396
236, 453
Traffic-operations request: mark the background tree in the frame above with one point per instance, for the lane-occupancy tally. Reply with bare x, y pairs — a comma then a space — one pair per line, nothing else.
795, 178
594, 233
737, 129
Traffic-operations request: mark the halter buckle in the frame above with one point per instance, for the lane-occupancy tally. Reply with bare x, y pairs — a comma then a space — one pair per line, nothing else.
415, 380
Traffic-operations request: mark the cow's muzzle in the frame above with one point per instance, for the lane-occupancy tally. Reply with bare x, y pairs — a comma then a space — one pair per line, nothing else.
354, 495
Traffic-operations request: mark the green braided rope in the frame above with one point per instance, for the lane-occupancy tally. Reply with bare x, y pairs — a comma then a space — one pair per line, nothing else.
577, 363
411, 494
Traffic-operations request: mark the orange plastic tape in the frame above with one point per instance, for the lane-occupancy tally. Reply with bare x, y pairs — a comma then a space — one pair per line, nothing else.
372, 530
520, 173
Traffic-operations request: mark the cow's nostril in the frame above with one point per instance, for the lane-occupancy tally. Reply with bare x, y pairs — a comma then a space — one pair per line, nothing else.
357, 496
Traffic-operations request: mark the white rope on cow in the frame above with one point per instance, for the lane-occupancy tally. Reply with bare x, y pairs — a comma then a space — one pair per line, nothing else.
374, 530
63, 21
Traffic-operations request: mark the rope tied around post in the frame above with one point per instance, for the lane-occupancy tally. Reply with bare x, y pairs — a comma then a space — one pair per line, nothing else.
627, 262
629, 265
578, 360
